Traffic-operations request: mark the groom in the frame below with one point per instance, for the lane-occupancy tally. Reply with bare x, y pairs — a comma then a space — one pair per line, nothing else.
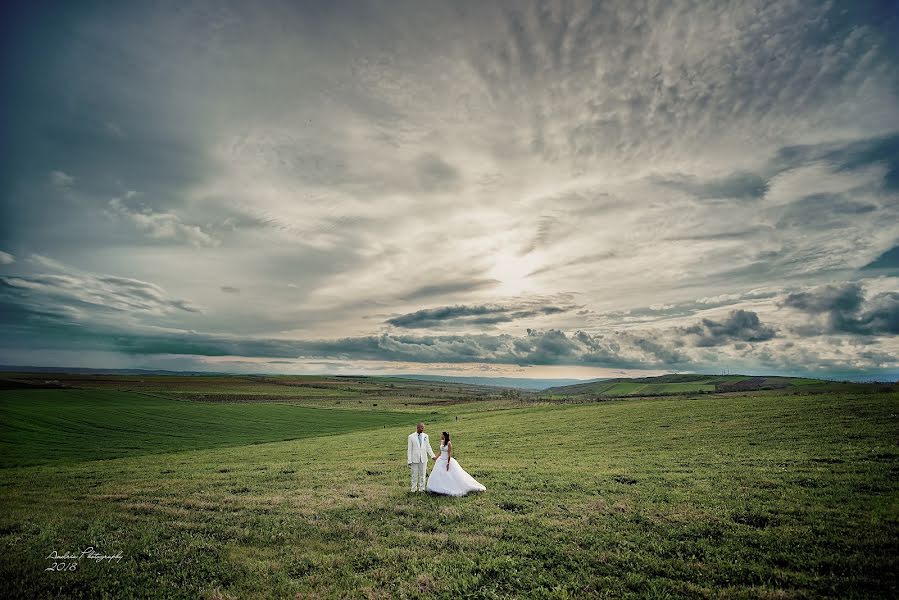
417, 451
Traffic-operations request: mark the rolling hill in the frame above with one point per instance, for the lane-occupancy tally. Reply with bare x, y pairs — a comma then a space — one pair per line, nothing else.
691, 383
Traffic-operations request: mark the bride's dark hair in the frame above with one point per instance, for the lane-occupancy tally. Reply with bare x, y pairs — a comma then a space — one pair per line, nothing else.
446, 437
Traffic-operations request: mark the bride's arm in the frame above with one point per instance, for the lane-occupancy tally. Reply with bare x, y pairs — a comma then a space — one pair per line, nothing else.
449, 454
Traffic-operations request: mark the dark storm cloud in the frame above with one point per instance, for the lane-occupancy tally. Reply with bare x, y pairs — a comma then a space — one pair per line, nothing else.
550, 347
665, 352
470, 315
613, 348
842, 299
435, 316
879, 316
547, 347
844, 308
739, 326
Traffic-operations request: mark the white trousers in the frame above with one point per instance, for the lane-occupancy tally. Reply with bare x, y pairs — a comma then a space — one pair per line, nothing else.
418, 476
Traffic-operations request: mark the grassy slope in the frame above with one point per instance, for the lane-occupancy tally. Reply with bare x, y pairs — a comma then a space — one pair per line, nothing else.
37, 426
685, 384
765, 496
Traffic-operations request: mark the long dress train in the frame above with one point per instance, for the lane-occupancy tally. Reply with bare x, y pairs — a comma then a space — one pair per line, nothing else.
453, 482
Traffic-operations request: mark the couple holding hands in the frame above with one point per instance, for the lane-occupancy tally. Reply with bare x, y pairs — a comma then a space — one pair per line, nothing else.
447, 477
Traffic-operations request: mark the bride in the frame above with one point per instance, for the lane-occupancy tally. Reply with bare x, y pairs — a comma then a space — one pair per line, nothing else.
447, 477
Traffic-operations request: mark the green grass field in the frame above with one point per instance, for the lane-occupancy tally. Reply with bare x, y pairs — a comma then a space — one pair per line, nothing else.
762, 495
686, 383
653, 386
635, 389
38, 426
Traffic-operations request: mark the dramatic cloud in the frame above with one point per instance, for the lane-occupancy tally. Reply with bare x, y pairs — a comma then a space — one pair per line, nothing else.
739, 326
470, 315
551, 347
81, 295
844, 308
641, 184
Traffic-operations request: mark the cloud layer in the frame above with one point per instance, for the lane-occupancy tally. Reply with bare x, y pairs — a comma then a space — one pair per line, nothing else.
461, 315
656, 185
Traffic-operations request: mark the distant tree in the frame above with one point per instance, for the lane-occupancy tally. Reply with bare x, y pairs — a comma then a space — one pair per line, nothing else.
509, 394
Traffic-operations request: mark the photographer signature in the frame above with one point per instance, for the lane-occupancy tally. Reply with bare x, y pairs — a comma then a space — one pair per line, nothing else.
88, 553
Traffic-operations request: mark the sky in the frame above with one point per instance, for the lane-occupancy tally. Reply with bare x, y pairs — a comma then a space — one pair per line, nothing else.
525, 189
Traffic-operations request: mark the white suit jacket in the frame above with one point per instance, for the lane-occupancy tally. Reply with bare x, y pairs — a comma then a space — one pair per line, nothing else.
416, 453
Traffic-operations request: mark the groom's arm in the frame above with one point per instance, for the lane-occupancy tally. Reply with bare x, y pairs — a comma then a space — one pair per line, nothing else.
430, 451
409, 451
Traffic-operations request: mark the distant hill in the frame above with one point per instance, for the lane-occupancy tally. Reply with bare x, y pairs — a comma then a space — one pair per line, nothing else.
509, 382
683, 384
33, 369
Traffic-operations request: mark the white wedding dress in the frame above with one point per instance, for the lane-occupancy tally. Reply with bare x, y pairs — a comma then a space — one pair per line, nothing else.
453, 482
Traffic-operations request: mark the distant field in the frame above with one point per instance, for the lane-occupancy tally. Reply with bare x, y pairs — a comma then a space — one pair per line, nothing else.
635, 389
316, 391
692, 383
762, 495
